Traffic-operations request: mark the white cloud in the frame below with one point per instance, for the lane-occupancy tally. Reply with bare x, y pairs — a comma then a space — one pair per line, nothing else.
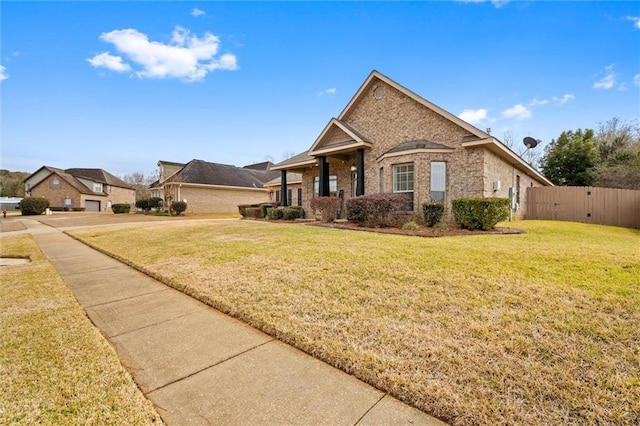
519, 112
565, 98
538, 102
636, 80
497, 3
330, 91
186, 56
197, 12
473, 116
113, 63
609, 79
3, 73
635, 20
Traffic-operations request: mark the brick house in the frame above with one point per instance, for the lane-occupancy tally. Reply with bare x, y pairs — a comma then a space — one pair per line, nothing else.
389, 139
294, 189
212, 187
79, 189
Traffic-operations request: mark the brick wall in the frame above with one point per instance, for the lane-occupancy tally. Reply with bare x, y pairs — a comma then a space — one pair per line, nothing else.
203, 199
56, 196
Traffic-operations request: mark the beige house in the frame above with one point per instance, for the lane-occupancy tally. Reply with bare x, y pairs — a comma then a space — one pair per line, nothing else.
389, 139
79, 189
212, 187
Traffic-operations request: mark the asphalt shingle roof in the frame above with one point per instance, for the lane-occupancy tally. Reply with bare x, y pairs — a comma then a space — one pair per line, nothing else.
205, 173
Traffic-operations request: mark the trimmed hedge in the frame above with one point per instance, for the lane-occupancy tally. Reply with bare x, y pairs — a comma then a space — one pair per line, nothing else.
432, 213
178, 207
121, 208
326, 207
155, 202
33, 206
253, 213
480, 213
376, 210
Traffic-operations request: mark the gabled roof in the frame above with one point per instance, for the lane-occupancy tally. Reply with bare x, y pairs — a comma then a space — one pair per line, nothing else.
297, 161
72, 176
265, 165
170, 163
100, 176
205, 173
351, 139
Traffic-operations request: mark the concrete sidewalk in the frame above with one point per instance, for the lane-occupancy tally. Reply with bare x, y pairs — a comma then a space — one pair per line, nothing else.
199, 366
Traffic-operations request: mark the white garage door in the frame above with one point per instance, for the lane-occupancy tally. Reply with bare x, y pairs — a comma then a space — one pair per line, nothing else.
92, 206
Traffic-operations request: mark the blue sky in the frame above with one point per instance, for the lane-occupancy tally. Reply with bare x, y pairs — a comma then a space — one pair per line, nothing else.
121, 85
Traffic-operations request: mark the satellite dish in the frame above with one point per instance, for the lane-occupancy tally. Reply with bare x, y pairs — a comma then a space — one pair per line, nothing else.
530, 142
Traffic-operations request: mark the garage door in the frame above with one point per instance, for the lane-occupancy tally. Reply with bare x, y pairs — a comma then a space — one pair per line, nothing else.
92, 206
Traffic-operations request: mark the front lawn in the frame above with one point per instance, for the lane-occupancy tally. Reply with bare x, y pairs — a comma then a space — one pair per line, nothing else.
537, 328
55, 367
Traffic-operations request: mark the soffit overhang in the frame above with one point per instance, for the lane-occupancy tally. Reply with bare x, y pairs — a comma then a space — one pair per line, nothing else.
509, 156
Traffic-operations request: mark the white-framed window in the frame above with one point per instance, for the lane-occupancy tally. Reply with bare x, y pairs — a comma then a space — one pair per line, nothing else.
333, 186
55, 183
403, 181
438, 180
97, 187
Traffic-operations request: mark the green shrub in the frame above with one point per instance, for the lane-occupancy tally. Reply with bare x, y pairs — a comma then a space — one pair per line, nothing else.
410, 226
178, 207
275, 213
293, 213
155, 202
143, 205
480, 213
33, 206
121, 208
377, 210
264, 207
326, 207
242, 209
253, 213
432, 213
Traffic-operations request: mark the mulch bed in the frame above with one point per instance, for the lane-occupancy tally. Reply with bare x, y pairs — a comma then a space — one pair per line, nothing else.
449, 231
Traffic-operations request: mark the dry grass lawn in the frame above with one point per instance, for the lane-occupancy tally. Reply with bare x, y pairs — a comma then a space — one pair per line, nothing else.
537, 328
55, 367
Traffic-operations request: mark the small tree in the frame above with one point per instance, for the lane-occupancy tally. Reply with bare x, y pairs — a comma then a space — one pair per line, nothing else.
178, 207
571, 159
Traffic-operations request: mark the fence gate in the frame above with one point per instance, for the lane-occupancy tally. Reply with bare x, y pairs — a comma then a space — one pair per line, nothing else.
605, 206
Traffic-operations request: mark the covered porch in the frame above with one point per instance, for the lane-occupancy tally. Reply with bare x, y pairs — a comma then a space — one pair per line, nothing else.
334, 166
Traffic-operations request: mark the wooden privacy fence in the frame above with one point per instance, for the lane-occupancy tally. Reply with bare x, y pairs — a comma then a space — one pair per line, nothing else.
605, 206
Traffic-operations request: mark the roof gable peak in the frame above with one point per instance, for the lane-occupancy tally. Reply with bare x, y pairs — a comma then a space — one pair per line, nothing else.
376, 76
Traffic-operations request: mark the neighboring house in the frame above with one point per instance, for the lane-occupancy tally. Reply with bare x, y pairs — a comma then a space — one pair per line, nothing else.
388, 139
294, 189
212, 187
79, 189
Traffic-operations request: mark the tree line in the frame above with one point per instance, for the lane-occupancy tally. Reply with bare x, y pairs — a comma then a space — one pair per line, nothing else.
606, 157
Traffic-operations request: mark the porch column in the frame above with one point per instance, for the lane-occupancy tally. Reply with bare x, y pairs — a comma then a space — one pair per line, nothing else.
360, 172
323, 190
283, 188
